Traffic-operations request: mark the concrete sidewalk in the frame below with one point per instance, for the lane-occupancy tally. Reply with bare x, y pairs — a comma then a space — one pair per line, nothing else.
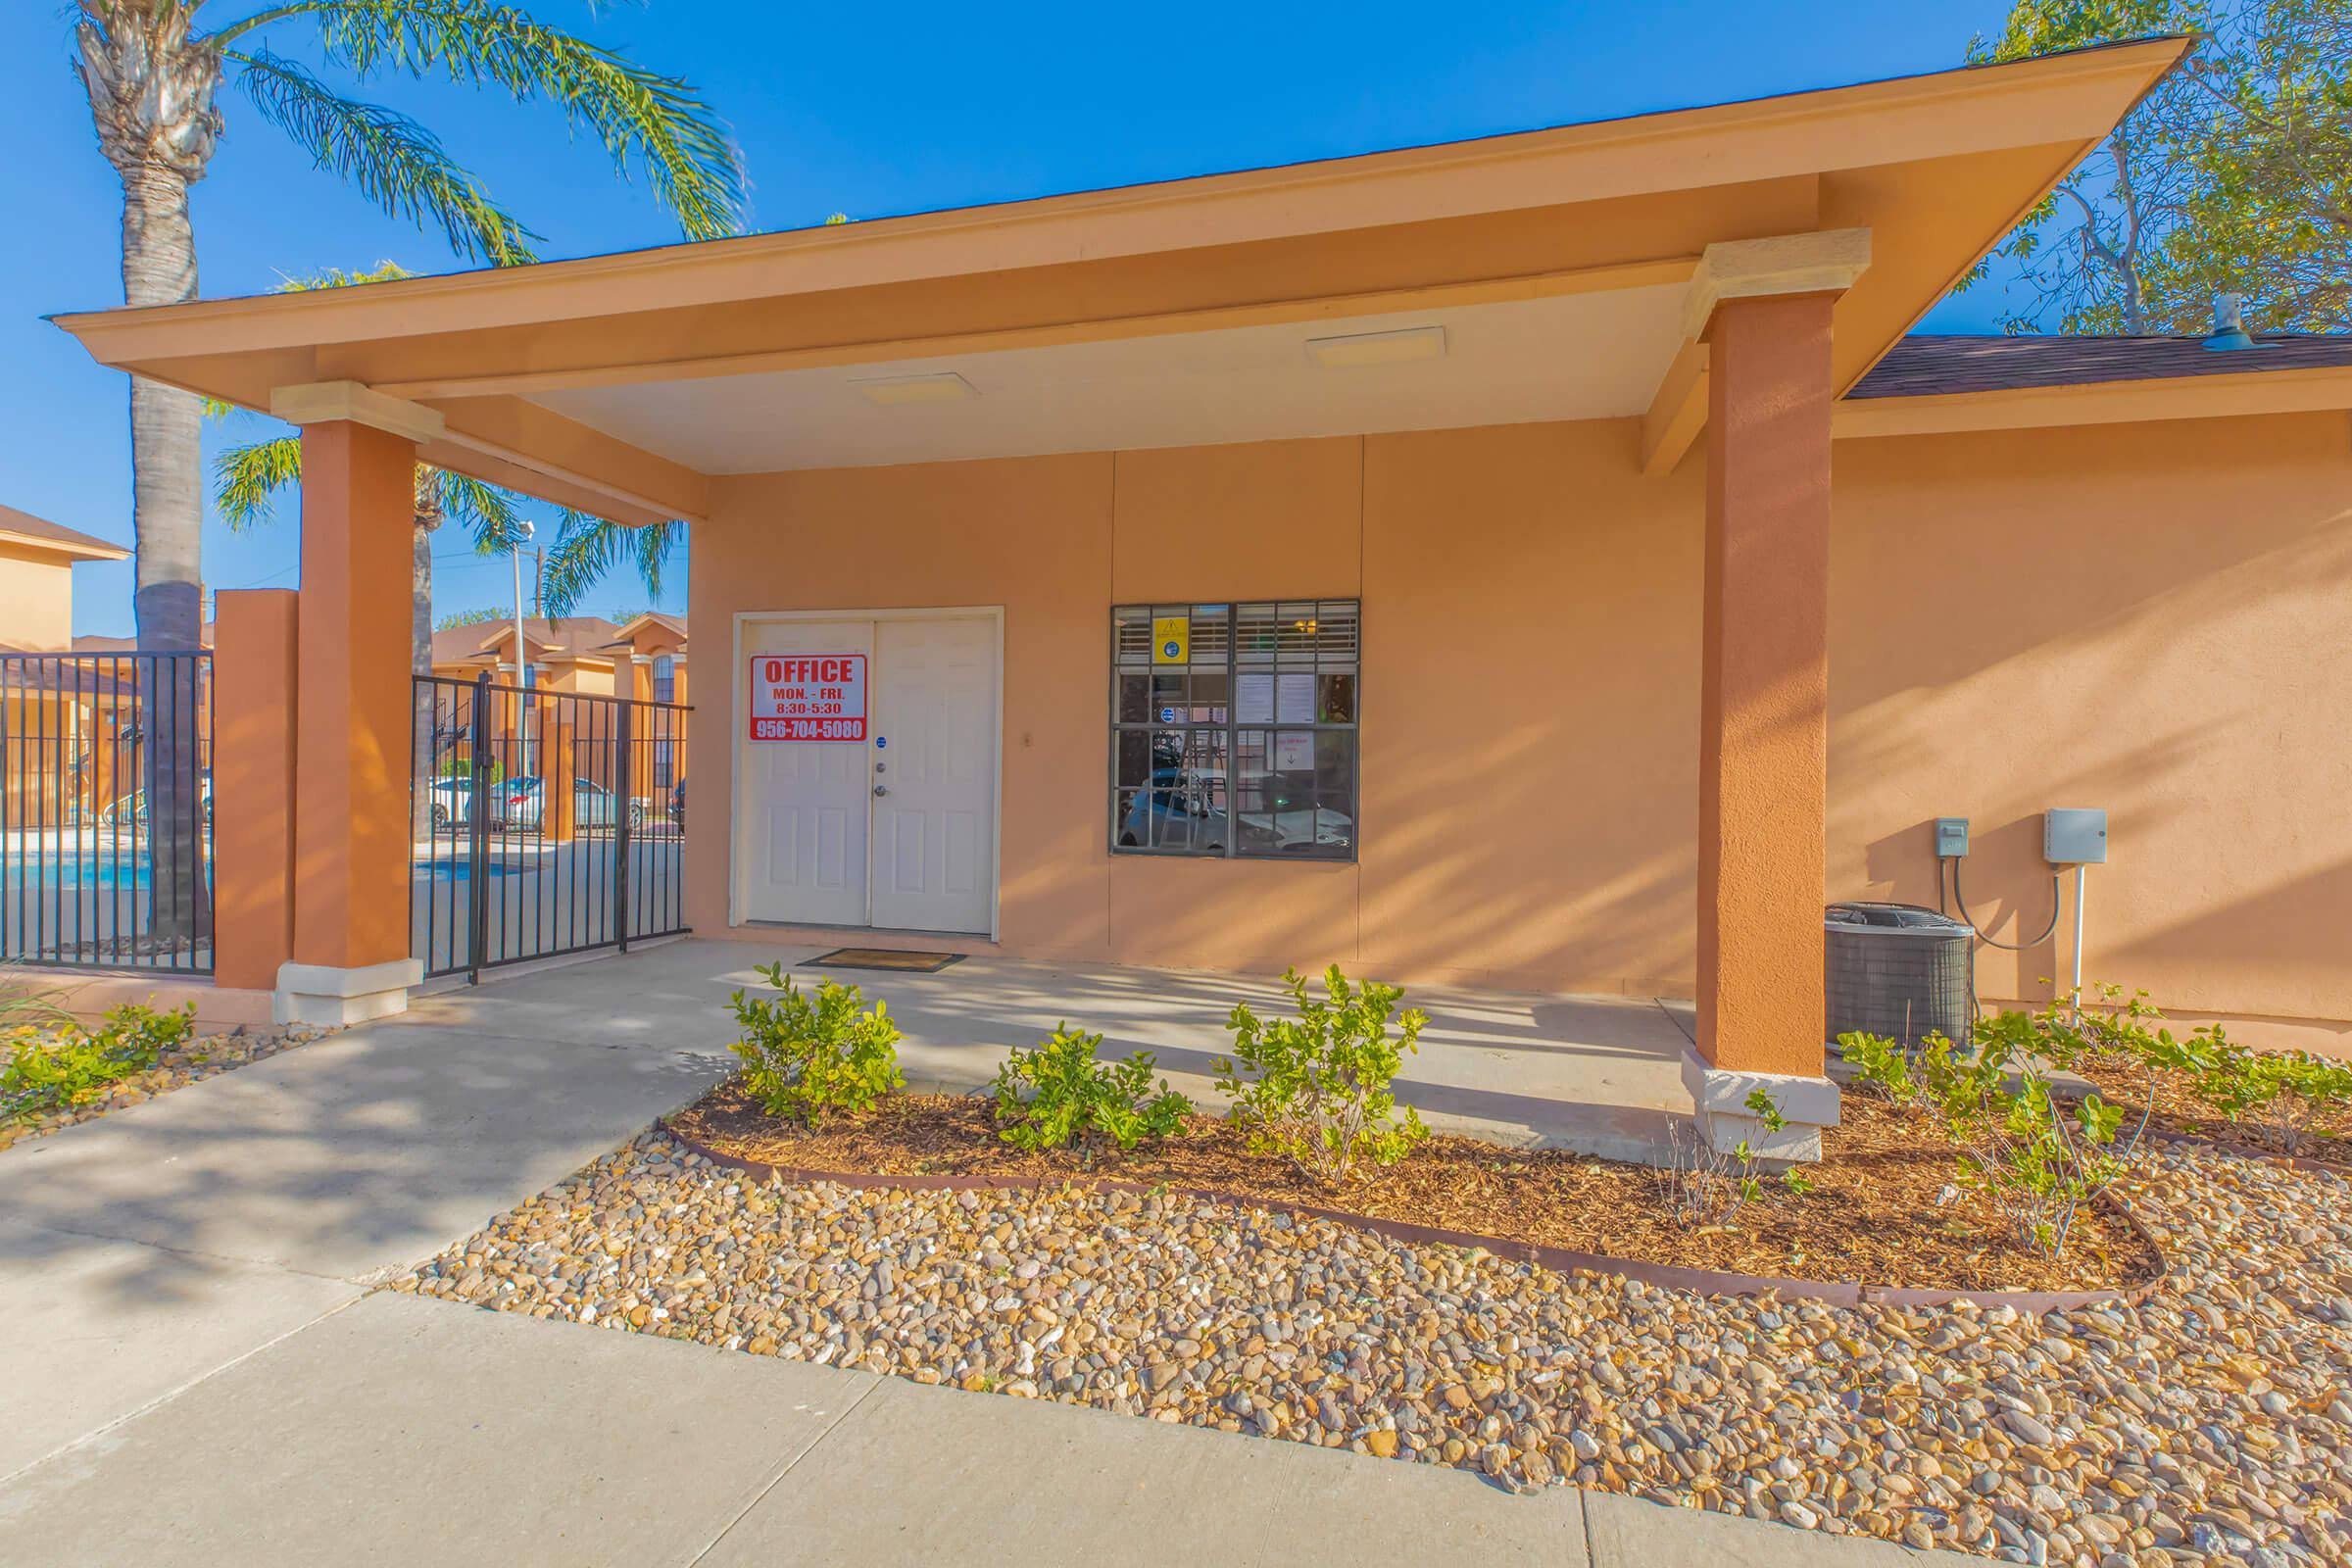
396, 1429
198, 1372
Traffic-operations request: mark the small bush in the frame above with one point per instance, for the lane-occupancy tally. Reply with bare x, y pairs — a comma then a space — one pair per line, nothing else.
2039, 1161
1059, 1093
1707, 1186
1315, 1089
74, 1066
2281, 1092
809, 1058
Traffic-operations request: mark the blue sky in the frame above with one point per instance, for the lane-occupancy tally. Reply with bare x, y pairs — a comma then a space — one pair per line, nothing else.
864, 109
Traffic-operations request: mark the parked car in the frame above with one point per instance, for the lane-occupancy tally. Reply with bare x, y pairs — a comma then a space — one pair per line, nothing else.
453, 801
520, 803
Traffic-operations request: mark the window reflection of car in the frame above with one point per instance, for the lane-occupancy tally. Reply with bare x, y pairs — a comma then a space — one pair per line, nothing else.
1177, 811
1292, 819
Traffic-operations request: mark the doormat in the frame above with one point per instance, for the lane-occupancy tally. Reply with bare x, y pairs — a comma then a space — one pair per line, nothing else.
883, 959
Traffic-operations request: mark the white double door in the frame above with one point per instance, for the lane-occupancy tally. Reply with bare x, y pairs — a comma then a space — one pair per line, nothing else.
897, 830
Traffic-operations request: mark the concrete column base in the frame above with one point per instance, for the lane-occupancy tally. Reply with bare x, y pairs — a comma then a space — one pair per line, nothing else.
1721, 1094
326, 996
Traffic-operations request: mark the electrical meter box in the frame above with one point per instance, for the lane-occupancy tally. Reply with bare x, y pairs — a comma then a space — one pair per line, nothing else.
1951, 837
2074, 836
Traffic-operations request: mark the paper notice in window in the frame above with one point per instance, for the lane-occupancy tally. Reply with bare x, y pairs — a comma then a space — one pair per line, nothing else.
1293, 754
1295, 701
1253, 698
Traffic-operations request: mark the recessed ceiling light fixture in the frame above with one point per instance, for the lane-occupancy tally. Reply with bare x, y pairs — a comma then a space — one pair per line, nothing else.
1378, 348
938, 386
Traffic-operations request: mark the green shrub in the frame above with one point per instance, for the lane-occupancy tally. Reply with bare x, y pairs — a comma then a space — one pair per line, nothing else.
1059, 1093
1316, 1088
2279, 1091
74, 1065
2039, 1160
809, 1058
1707, 1186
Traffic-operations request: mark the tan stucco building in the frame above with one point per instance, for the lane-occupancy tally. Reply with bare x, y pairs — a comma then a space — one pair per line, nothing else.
37, 558
1540, 562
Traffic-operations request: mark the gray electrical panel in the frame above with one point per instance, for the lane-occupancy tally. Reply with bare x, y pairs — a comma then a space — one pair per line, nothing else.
2074, 836
1951, 837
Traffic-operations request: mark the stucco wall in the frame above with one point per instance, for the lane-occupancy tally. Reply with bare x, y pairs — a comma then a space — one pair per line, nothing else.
2153, 618
36, 601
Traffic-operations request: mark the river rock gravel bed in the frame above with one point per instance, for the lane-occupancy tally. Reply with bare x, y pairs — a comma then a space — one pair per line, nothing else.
2211, 1423
202, 1056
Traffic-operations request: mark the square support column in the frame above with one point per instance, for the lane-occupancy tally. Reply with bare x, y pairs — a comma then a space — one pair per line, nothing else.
1764, 725
350, 823
255, 692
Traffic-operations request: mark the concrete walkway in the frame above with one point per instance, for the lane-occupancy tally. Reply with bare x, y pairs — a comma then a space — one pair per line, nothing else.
1598, 1074
198, 1372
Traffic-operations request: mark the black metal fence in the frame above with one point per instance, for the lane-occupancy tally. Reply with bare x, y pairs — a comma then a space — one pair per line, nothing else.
543, 823
106, 810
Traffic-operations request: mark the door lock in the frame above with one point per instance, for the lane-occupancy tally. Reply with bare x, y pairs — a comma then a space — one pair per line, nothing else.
881, 790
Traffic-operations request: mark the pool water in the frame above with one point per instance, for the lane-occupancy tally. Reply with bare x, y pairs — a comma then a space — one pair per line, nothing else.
75, 873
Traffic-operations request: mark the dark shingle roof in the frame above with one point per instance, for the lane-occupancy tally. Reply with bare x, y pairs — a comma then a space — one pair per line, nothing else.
1926, 365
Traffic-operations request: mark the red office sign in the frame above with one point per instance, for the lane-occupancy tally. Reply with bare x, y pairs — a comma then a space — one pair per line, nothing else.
807, 697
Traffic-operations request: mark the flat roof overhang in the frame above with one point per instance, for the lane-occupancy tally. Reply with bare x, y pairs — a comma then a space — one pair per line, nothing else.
1556, 264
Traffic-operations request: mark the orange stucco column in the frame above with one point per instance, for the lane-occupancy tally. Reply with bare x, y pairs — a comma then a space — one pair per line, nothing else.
254, 684
559, 802
351, 821
1764, 687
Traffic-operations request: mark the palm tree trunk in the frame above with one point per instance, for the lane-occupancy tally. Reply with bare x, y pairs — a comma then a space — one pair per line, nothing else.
159, 267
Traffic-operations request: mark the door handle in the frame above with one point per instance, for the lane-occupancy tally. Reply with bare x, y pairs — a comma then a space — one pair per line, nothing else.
881, 790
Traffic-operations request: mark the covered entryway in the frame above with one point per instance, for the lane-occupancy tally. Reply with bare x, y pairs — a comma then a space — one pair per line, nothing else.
867, 756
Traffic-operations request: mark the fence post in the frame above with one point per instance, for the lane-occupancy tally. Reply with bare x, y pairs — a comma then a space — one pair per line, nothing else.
477, 836
624, 794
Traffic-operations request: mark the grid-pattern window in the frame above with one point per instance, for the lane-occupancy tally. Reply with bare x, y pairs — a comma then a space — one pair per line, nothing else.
1234, 728
666, 690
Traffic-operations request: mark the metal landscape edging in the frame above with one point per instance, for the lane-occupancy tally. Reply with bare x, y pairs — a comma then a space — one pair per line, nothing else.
1669, 1276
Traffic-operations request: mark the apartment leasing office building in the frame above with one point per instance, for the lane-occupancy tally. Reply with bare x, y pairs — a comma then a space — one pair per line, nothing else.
1489, 562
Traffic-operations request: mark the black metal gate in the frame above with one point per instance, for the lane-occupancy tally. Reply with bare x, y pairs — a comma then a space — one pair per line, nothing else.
106, 810
542, 823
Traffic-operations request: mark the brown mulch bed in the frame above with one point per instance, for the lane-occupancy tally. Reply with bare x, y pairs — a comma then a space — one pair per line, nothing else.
2326, 1137
1874, 1217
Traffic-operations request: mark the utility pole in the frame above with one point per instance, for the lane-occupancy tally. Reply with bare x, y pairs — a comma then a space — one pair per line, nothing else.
522, 706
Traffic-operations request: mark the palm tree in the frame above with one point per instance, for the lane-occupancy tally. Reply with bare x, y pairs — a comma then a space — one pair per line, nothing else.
248, 478
153, 76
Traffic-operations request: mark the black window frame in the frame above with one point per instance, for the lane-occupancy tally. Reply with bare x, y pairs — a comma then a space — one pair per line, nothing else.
1230, 730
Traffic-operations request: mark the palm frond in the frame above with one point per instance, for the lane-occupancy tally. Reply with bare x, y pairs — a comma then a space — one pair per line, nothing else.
489, 514
639, 114
655, 542
588, 547
383, 271
247, 479
396, 163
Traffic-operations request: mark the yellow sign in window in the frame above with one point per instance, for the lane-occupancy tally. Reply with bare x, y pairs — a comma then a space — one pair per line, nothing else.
1171, 639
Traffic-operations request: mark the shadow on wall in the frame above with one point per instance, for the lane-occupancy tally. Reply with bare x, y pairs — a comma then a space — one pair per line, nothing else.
2151, 619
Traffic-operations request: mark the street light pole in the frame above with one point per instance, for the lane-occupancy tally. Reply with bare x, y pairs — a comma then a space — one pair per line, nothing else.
522, 706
